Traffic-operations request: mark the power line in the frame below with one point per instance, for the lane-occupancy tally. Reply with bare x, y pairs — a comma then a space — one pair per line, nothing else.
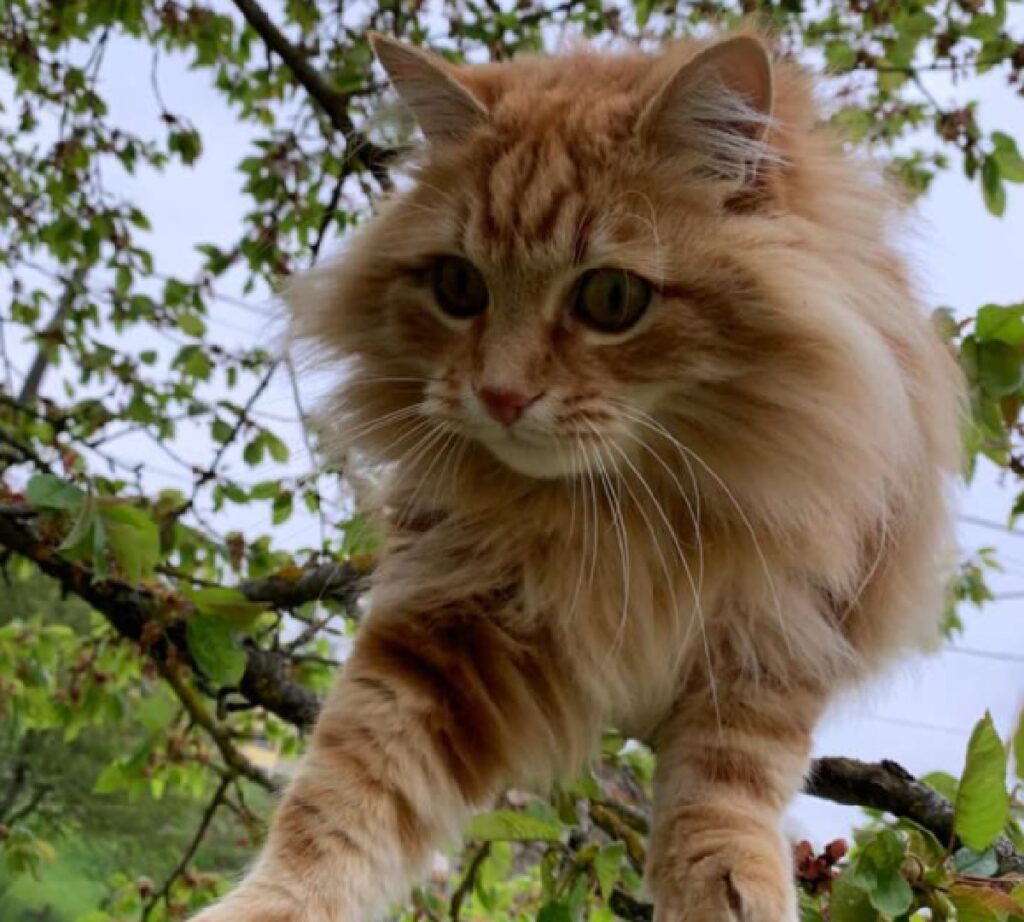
921, 725
989, 524
989, 654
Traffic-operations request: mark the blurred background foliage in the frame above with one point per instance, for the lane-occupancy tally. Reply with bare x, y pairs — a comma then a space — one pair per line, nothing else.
164, 633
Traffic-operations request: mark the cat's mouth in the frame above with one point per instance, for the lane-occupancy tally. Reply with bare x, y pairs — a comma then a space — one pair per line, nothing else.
531, 457
544, 457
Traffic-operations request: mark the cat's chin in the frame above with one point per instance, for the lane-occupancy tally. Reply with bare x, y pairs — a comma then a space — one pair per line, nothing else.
542, 462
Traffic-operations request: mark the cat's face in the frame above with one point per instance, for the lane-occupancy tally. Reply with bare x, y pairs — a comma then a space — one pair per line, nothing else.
549, 348
547, 277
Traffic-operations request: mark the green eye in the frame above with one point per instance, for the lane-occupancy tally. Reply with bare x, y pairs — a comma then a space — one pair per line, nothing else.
611, 300
459, 287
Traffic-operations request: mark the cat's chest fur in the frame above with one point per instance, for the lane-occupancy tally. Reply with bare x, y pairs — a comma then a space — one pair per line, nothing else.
637, 597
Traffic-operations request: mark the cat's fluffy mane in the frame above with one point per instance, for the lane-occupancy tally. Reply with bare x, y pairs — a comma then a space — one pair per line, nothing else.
816, 407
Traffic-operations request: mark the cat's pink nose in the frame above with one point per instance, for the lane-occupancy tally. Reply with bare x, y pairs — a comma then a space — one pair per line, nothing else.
505, 406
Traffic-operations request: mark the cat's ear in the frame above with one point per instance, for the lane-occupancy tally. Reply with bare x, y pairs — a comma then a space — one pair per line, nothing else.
442, 107
719, 101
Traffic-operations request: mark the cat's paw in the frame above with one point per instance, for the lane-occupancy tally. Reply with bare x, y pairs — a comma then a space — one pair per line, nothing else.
743, 880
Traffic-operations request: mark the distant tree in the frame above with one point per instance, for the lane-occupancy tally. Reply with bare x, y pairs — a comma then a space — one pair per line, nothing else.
210, 636
78, 715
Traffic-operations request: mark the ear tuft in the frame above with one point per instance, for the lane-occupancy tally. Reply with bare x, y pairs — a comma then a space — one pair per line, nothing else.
442, 107
719, 102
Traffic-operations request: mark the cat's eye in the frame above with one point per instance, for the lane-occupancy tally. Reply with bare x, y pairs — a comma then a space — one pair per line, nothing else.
611, 300
459, 287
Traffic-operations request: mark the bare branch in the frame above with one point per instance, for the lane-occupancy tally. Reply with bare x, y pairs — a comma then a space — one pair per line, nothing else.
34, 378
218, 799
337, 582
468, 880
890, 787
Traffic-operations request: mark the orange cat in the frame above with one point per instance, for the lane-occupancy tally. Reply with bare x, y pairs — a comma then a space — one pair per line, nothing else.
669, 439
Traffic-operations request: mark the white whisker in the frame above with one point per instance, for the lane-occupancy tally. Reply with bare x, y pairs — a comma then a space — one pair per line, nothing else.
355, 433
697, 601
744, 518
583, 544
440, 453
619, 525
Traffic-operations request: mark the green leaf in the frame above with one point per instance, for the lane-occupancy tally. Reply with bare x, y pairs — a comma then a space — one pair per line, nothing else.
999, 367
992, 188
252, 454
554, 912
877, 871
976, 864
1000, 323
99, 549
982, 804
156, 711
227, 605
212, 643
110, 779
850, 903
840, 56
281, 508
82, 529
945, 323
943, 782
220, 431
1011, 164
186, 143
809, 909
133, 538
981, 904
48, 491
509, 826
607, 864
192, 324
278, 450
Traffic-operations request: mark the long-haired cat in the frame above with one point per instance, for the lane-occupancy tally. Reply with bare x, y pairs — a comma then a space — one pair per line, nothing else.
669, 440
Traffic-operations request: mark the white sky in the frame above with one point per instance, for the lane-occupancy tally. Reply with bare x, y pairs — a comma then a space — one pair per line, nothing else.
922, 713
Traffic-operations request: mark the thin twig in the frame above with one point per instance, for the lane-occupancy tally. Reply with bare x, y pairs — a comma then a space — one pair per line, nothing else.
34, 378
468, 880
218, 799
220, 734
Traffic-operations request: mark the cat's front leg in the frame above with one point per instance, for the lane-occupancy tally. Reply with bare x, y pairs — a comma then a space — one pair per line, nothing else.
726, 771
435, 710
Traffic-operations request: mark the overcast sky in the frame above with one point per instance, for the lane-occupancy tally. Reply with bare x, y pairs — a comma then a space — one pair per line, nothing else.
922, 713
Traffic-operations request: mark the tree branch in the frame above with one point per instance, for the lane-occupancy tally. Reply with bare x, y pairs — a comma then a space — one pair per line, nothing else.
468, 880
140, 615
336, 582
34, 379
890, 787
333, 102
28, 808
191, 701
219, 798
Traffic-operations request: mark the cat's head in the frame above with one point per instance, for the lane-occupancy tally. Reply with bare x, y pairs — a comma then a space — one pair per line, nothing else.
595, 247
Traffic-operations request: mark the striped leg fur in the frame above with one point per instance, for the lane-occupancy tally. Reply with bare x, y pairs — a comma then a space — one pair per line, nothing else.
723, 780
433, 713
